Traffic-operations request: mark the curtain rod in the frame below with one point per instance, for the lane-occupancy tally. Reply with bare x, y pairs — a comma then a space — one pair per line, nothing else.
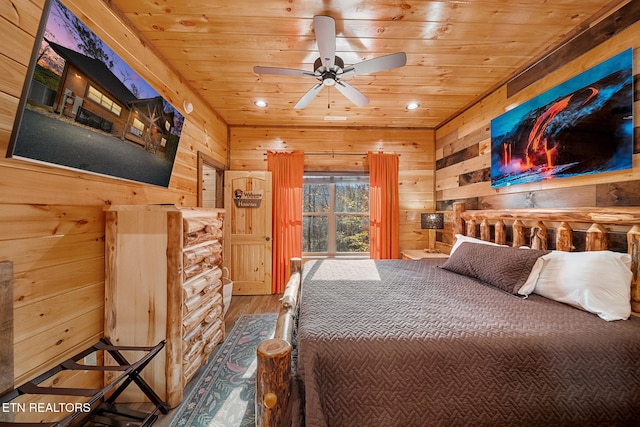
326, 153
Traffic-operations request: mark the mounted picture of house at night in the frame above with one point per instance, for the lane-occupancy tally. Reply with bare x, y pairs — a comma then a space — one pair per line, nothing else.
84, 108
582, 126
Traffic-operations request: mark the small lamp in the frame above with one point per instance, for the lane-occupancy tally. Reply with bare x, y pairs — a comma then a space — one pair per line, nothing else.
432, 222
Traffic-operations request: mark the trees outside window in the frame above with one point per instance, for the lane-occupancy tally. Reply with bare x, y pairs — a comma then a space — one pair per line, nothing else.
335, 219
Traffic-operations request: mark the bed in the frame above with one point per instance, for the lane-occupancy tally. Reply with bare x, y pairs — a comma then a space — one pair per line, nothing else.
452, 342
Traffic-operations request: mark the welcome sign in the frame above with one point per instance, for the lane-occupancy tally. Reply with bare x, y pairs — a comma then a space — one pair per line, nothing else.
247, 199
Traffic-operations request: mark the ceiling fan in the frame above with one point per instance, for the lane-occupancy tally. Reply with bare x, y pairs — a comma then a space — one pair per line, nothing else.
329, 69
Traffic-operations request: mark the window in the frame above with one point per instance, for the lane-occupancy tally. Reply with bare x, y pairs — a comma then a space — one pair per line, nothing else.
98, 97
138, 127
335, 216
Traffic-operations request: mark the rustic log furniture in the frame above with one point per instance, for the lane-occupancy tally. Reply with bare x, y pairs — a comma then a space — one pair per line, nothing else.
164, 282
96, 405
598, 225
528, 227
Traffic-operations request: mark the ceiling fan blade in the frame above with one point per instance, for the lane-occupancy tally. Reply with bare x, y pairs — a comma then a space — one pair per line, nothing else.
307, 97
374, 65
325, 27
352, 94
282, 71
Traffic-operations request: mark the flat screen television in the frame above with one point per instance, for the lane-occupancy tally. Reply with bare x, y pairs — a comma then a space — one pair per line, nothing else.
84, 108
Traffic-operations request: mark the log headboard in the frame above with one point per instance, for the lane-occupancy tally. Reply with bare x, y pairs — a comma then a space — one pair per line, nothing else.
564, 229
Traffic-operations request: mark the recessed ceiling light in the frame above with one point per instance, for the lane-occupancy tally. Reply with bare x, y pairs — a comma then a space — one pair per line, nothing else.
412, 105
261, 103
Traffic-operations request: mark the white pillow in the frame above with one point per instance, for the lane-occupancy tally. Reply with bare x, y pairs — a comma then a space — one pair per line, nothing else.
460, 239
595, 281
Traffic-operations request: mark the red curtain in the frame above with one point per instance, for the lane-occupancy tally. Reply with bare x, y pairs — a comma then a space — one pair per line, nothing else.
384, 206
287, 171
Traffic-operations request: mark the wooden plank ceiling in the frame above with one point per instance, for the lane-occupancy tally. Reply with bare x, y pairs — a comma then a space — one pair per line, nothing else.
457, 51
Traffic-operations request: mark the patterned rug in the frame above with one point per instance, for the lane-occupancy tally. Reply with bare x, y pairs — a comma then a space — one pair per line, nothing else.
224, 394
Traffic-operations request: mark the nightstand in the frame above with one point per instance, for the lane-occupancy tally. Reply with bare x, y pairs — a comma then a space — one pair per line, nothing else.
421, 254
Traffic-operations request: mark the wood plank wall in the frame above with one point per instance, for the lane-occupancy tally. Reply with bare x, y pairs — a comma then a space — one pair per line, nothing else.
344, 150
52, 220
463, 145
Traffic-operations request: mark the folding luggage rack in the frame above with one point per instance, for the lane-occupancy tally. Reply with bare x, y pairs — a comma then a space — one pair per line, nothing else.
101, 410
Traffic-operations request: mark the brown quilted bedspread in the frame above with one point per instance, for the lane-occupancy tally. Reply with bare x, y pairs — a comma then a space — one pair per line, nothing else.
406, 343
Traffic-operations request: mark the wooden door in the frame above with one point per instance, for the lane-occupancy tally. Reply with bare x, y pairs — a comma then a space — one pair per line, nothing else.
247, 240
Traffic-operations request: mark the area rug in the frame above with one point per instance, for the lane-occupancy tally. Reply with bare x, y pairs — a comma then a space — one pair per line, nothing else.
224, 395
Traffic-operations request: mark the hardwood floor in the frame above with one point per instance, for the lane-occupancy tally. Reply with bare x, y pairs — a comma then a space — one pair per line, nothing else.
240, 304
251, 304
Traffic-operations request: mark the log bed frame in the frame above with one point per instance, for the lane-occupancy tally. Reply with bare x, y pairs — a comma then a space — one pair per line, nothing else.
274, 375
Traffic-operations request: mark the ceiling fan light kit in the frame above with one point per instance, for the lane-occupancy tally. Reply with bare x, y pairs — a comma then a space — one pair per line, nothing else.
329, 69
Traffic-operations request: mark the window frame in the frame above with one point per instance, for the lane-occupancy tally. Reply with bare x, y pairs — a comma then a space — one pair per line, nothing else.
332, 216
139, 127
96, 95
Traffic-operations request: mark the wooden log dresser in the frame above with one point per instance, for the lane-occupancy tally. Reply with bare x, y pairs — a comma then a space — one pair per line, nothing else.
163, 282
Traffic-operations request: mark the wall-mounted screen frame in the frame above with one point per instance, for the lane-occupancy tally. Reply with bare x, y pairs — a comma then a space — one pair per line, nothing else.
580, 127
84, 108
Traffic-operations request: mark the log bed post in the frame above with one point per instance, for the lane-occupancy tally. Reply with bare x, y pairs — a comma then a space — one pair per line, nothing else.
458, 222
501, 232
485, 230
539, 236
273, 371
564, 237
518, 234
597, 238
471, 226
